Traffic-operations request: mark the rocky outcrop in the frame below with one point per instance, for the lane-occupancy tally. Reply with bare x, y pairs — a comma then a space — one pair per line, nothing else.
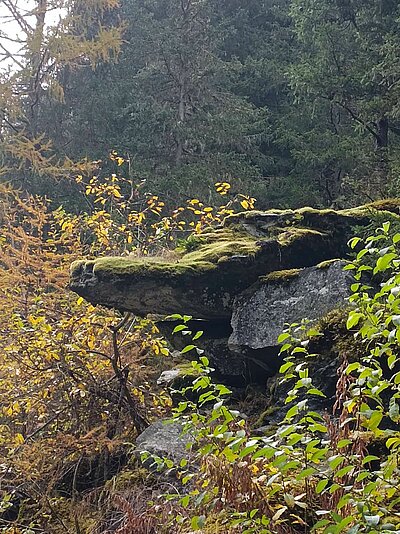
244, 281
222, 263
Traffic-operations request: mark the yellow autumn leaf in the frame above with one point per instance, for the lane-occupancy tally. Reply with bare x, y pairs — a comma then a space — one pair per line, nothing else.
19, 439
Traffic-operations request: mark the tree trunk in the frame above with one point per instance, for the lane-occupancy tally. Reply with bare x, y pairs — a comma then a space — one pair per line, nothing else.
36, 64
181, 119
380, 178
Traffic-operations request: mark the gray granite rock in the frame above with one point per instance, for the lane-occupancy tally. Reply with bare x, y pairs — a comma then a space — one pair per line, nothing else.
168, 377
260, 313
164, 439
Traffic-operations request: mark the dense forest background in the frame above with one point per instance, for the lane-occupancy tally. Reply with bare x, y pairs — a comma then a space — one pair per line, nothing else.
294, 102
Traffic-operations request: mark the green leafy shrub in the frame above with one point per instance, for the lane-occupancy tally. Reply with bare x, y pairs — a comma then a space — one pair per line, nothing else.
317, 473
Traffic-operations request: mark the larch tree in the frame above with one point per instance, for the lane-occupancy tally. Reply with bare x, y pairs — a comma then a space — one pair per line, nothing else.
41, 39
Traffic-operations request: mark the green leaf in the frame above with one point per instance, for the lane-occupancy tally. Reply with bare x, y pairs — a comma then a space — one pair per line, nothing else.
383, 263
362, 476
320, 524
297, 350
305, 473
179, 328
285, 367
188, 348
321, 485
374, 421
265, 452
392, 359
294, 410
370, 458
198, 522
205, 361
344, 470
315, 391
247, 450
317, 427
335, 461
283, 337
354, 242
198, 334
344, 523
394, 411
343, 443
352, 367
353, 319
185, 501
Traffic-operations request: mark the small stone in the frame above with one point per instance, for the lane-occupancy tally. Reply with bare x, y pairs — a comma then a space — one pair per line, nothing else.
167, 377
165, 439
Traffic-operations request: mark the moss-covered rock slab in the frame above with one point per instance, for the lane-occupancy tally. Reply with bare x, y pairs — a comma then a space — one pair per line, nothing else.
223, 262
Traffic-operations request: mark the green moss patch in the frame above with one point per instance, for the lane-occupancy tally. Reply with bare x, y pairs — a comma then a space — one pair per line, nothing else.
388, 204
327, 263
289, 235
281, 276
223, 243
211, 248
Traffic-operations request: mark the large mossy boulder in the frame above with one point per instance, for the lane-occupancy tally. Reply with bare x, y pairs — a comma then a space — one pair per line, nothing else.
223, 262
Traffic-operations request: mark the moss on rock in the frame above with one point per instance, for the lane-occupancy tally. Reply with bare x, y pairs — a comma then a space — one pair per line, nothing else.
153, 267
327, 263
280, 276
222, 262
222, 243
287, 236
212, 248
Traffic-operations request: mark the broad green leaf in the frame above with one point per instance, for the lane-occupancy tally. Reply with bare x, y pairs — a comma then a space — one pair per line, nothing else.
321, 485
188, 348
